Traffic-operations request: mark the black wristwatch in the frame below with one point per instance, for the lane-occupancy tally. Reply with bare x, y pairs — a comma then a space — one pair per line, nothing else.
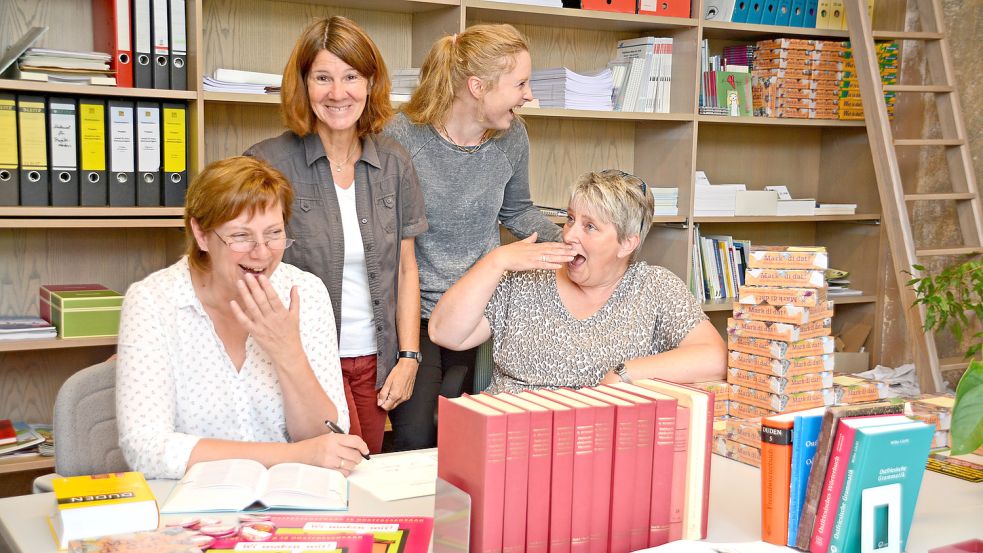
411, 355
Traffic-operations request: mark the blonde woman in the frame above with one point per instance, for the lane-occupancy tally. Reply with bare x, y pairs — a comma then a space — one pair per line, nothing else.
601, 317
471, 154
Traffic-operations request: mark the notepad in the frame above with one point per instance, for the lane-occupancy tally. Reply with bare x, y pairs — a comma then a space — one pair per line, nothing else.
395, 477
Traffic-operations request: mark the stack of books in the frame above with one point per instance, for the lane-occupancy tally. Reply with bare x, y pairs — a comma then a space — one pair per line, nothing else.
715, 200
644, 69
719, 265
738, 439
65, 66
819, 466
404, 83
562, 88
243, 82
851, 105
725, 87
780, 356
666, 201
835, 209
612, 468
25, 328
797, 78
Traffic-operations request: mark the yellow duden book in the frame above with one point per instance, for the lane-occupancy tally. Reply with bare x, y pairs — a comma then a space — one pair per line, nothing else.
102, 504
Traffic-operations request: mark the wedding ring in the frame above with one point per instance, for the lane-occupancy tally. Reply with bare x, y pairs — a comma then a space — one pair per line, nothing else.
544, 258
341, 464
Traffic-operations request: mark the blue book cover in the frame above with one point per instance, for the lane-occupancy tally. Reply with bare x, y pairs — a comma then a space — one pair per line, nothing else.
804, 441
812, 10
881, 456
741, 9
783, 15
798, 13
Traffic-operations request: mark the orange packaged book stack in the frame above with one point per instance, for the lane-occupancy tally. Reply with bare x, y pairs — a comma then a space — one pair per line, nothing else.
797, 78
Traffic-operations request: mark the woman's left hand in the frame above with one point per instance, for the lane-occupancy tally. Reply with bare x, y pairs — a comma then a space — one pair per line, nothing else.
399, 384
610, 378
274, 327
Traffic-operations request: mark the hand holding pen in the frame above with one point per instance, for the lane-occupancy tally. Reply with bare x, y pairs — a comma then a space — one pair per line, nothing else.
334, 428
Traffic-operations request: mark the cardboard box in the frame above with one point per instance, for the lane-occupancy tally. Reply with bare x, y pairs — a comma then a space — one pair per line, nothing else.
83, 313
851, 362
44, 309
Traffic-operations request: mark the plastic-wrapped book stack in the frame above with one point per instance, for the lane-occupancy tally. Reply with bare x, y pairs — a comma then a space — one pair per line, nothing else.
851, 107
797, 78
780, 356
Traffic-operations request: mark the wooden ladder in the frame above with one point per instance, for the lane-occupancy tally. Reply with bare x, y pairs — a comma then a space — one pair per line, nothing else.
897, 204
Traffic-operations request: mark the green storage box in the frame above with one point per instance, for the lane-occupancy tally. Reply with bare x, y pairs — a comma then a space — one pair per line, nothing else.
85, 313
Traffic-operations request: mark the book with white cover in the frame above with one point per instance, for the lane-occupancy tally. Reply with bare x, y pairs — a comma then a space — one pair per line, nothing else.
797, 207
247, 77
237, 484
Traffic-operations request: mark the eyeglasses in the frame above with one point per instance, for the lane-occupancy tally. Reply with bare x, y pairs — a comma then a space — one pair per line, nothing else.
623, 174
246, 246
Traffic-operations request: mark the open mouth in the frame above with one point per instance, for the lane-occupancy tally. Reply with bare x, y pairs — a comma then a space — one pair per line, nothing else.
253, 270
577, 261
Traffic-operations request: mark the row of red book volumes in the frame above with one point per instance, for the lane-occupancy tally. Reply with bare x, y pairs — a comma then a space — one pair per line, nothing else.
611, 468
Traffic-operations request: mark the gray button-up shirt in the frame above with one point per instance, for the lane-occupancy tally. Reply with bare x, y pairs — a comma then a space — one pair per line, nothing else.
389, 204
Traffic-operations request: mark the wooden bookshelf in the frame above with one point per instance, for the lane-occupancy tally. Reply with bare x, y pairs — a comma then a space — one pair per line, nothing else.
714, 306
825, 160
56, 343
23, 463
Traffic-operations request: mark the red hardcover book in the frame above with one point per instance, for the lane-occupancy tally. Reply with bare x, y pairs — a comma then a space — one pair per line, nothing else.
471, 440
699, 444
111, 34
647, 493
561, 475
583, 469
604, 432
839, 459
540, 473
8, 434
623, 485
516, 471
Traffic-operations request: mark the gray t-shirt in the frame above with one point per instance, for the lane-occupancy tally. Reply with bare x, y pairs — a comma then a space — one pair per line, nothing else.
537, 343
466, 195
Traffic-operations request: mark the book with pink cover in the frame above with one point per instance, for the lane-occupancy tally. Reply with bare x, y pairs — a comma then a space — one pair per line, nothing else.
390, 534
322, 543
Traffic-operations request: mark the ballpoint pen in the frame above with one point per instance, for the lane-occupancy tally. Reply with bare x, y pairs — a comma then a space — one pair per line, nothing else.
337, 430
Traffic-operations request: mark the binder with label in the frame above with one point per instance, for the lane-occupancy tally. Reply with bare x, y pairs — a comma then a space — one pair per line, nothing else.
174, 132
111, 34
122, 159
148, 154
797, 19
33, 145
161, 45
9, 162
63, 151
824, 14
93, 189
179, 45
143, 68
837, 16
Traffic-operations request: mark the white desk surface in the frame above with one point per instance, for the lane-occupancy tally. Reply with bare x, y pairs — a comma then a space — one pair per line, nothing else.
949, 510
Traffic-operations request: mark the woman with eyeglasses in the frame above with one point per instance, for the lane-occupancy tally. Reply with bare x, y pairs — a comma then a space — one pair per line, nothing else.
357, 211
230, 353
596, 315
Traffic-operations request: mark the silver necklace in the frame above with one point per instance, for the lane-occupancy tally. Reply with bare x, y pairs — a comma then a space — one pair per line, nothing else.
465, 149
351, 152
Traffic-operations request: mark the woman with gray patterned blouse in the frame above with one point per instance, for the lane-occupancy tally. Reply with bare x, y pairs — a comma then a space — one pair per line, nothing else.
593, 316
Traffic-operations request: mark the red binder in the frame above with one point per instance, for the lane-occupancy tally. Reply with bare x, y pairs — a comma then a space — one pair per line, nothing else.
623, 6
665, 8
111, 34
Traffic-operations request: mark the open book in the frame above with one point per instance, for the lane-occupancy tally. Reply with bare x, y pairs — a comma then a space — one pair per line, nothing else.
238, 484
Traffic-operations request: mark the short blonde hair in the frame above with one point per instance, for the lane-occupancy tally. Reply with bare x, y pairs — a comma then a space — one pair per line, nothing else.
619, 198
343, 38
223, 191
483, 51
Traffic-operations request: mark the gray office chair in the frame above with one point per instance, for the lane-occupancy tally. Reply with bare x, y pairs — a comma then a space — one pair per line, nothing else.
86, 437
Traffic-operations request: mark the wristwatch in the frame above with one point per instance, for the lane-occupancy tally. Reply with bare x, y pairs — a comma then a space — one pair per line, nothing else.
622, 373
411, 355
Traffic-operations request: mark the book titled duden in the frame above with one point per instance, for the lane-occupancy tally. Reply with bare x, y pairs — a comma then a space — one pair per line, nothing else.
240, 484
102, 504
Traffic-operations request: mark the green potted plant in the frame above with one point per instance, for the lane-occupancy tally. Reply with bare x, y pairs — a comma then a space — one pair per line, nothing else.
952, 299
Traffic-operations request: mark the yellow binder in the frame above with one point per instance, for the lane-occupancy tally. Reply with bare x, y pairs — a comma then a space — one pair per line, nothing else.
92, 163
8, 150
174, 130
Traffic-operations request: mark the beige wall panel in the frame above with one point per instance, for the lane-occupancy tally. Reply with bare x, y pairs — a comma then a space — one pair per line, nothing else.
759, 157
563, 149
114, 258
69, 22
231, 128
258, 35
846, 170
852, 247
667, 247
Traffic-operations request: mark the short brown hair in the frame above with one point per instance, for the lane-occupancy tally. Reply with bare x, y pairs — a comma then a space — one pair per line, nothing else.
483, 51
619, 198
226, 189
343, 38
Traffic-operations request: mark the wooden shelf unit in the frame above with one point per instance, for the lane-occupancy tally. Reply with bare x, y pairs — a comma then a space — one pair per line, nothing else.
827, 160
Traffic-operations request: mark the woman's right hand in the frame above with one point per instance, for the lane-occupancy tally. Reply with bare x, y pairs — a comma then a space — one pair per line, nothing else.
527, 255
340, 452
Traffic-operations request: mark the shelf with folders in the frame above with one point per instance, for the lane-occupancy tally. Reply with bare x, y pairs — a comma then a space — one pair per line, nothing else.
751, 31
515, 13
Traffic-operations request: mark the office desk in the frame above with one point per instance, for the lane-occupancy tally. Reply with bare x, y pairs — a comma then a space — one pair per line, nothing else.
949, 510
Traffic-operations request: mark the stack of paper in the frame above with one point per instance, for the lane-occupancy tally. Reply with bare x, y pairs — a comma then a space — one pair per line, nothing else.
25, 328
404, 82
836, 209
715, 200
67, 66
797, 207
666, 201
243, 82
562, 88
